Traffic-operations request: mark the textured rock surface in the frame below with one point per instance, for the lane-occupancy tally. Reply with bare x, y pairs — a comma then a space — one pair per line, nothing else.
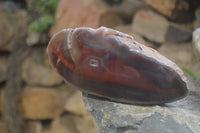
173, 9
196, 41
70, 14
157, 29
179, 117
42, 103
37, 71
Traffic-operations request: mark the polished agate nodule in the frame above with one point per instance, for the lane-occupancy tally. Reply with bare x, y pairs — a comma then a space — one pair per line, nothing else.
111, 64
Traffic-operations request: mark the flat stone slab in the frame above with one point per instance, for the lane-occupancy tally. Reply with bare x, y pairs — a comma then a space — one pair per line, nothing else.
182, 116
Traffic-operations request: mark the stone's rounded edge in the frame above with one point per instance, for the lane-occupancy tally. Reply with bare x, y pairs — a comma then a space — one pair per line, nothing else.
66, 60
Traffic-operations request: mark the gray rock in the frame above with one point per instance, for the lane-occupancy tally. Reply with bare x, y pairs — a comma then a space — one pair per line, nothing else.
196, 42
150, 25
128, 30
127, 8
7, 26
179, 117
157, 29
14, 20
176, 35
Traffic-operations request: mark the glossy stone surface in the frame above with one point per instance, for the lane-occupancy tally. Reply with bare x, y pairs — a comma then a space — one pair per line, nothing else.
111, 64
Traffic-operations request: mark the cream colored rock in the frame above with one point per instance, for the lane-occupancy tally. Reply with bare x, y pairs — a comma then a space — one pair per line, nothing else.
128, 30
150, 25
37, 71
73, 124
86, 124
63, 125
42, 103
75, 104
83, 13
37, 74
156, 28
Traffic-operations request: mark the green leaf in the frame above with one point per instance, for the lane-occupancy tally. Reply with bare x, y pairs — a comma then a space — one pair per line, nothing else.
191, 73
42, 24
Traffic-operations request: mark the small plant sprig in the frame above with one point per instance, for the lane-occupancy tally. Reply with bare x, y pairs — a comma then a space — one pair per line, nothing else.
191, 73
47, 8
42, 24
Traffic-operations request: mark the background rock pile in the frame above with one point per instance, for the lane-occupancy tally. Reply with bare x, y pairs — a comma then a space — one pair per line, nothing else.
34, 99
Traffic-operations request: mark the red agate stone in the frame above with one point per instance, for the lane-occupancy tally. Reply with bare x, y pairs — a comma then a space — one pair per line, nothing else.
111, 64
